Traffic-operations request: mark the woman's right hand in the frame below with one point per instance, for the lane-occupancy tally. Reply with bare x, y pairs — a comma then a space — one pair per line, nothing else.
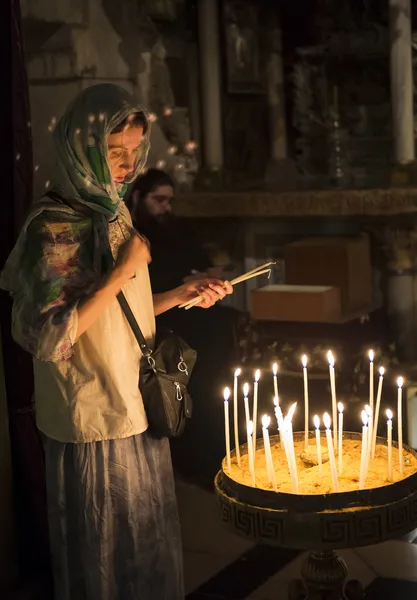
133, 255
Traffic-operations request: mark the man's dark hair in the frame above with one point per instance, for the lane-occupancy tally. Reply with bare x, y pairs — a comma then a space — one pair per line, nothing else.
151, 180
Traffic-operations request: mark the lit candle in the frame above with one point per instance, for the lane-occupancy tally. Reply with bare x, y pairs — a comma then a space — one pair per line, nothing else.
369, 438
371, 381
280, 423
330, 358
389, 437
327, 423
289, 440
318, 443
235, 415
364, 449
340, 450
306, 417
250, 453
268, 455
255, 407
226, 395
400, 383
377, 409
246, 403
275, 373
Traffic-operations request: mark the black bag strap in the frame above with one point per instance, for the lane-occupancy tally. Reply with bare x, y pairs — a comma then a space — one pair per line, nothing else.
143, 344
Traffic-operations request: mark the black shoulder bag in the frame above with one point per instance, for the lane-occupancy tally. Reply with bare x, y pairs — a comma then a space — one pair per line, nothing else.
164, 374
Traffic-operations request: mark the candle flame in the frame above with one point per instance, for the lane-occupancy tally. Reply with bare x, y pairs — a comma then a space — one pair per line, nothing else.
257, 375
364, 418
304, 360
330, 358
327, 420
275, 369
389, 414
316, 421
381, 371
340, 407
246, 390
371, 355
400, 382
291, 411
250, 428
226, 394
238, 372
276, 401
368, 410
266, 421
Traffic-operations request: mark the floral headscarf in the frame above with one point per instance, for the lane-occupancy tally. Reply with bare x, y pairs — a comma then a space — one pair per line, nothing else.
62, 252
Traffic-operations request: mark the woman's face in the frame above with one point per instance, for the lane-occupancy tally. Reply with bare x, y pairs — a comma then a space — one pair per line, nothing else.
159, 202
123, 149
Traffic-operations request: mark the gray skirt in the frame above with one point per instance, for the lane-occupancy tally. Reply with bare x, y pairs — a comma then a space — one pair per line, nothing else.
113, 520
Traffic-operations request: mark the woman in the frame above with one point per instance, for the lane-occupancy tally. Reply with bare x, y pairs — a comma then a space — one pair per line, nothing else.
177, 256
112, 512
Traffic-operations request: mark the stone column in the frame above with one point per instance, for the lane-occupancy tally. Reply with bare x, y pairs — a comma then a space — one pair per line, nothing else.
275, 82
402, 81
194, 92
208, 31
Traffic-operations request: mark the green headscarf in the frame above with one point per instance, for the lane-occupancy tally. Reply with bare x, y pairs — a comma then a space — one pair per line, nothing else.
83, 172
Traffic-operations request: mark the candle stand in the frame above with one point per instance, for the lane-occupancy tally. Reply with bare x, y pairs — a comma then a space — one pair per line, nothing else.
320, 524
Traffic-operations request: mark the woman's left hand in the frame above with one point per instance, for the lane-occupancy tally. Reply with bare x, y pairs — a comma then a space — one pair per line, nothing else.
210, 289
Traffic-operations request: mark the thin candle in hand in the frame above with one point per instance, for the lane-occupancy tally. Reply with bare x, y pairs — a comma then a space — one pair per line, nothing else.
327, 423
306, 411
389, 437
400, 383
318, 443
330, 359
226, 395
340, 450
235, 415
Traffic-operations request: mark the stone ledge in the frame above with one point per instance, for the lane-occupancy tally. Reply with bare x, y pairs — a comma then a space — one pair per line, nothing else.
316, 203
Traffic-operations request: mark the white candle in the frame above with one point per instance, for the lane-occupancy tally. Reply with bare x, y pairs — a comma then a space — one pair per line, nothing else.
327, 423
250, 453
255, 408
400, 383
290, 447
226, 395
340, 450
246, 403
280, 423
268, 455
330, 358
235, 415
377, 409
364, 449
306, 412
371, 381
369, 439
389, 437
318, 443
275, 373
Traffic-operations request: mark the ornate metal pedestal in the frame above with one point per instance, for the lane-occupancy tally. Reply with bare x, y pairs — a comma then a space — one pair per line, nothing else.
321, 524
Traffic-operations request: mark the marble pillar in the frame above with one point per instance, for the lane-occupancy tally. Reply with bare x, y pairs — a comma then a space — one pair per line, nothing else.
401, 81
208, 32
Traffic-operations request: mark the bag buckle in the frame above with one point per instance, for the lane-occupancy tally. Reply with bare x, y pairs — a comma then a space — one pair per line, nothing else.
182, 366
179, 393
151, 362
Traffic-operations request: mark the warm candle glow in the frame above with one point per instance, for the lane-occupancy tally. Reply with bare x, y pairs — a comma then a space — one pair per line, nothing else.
368, 411
275, 369
238, 372
226, 394
250, 428
330, 358
290, 413
246, 390
266, 421
257, 375
371, 355
389, 414
400, 382
327, 420
381, 371
340, 407
364, 417
304, 360
276, 403
316, 421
